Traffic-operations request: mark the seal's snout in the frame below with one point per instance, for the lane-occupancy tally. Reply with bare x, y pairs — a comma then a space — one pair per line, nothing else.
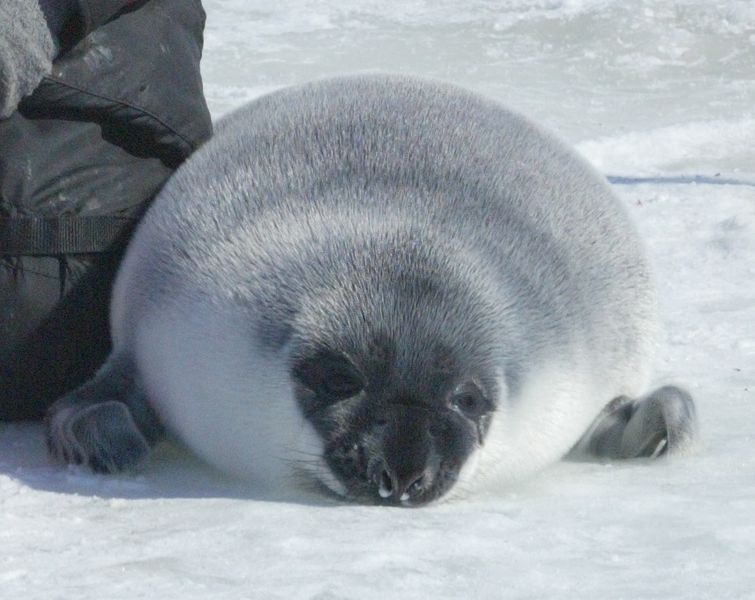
407, 463
402, 487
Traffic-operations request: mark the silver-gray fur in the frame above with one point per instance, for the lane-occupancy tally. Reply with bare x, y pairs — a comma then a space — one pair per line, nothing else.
433, 239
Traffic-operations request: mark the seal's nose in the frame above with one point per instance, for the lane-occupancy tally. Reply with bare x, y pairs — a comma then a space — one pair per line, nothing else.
401, 487
407, 461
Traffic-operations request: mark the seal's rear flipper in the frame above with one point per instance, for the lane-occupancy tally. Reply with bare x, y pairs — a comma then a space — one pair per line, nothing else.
663, 422
105, 424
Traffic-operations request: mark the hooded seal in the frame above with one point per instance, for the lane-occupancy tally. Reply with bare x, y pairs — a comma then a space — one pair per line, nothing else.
386, 285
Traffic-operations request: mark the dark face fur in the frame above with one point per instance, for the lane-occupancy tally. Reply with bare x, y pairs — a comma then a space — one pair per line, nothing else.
395, 431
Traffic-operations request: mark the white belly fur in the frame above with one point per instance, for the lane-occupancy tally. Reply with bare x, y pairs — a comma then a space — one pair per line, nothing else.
233, 406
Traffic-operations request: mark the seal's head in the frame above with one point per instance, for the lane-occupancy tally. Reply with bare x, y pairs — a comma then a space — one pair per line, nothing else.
394, 432
400, 372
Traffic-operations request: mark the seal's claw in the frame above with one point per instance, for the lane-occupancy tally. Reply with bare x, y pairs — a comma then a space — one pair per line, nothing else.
103, 436
663, 422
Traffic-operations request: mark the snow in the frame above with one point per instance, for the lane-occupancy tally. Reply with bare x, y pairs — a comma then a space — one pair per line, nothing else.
643, 88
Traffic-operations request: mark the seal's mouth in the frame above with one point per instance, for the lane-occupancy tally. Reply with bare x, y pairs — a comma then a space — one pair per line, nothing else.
378, 478
406, 455
373, 484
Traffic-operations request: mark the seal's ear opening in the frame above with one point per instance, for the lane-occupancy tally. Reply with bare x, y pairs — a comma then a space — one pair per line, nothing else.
330, 375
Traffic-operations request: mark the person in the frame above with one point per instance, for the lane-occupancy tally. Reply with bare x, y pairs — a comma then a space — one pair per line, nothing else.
100, 101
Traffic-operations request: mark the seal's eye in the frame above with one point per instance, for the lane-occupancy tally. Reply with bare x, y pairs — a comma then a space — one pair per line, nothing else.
341, 381
469, 400
329, 375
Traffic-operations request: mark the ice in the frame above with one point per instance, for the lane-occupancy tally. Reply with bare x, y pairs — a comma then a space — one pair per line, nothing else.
643, 88
717, 147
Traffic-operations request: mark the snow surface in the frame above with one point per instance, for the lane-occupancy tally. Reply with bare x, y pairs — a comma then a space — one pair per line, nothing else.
643, 88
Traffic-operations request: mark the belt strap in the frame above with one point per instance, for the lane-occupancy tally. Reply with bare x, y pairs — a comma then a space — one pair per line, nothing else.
39, 236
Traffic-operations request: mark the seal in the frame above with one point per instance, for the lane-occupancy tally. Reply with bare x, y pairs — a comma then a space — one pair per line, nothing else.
390, 286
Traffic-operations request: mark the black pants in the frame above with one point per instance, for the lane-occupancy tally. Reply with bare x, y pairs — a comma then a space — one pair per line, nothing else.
54, 327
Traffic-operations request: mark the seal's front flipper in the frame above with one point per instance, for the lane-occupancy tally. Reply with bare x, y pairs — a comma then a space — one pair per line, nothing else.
104, 436
105, 424
663, 422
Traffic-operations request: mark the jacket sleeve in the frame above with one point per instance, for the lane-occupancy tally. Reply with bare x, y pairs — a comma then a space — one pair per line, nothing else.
26, 51
94, 13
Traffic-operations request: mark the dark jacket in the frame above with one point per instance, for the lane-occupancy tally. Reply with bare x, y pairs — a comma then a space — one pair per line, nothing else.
79, 161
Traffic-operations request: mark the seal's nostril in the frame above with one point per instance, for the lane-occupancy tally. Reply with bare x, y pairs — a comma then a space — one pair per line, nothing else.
385, 488
416, 485
414, 489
